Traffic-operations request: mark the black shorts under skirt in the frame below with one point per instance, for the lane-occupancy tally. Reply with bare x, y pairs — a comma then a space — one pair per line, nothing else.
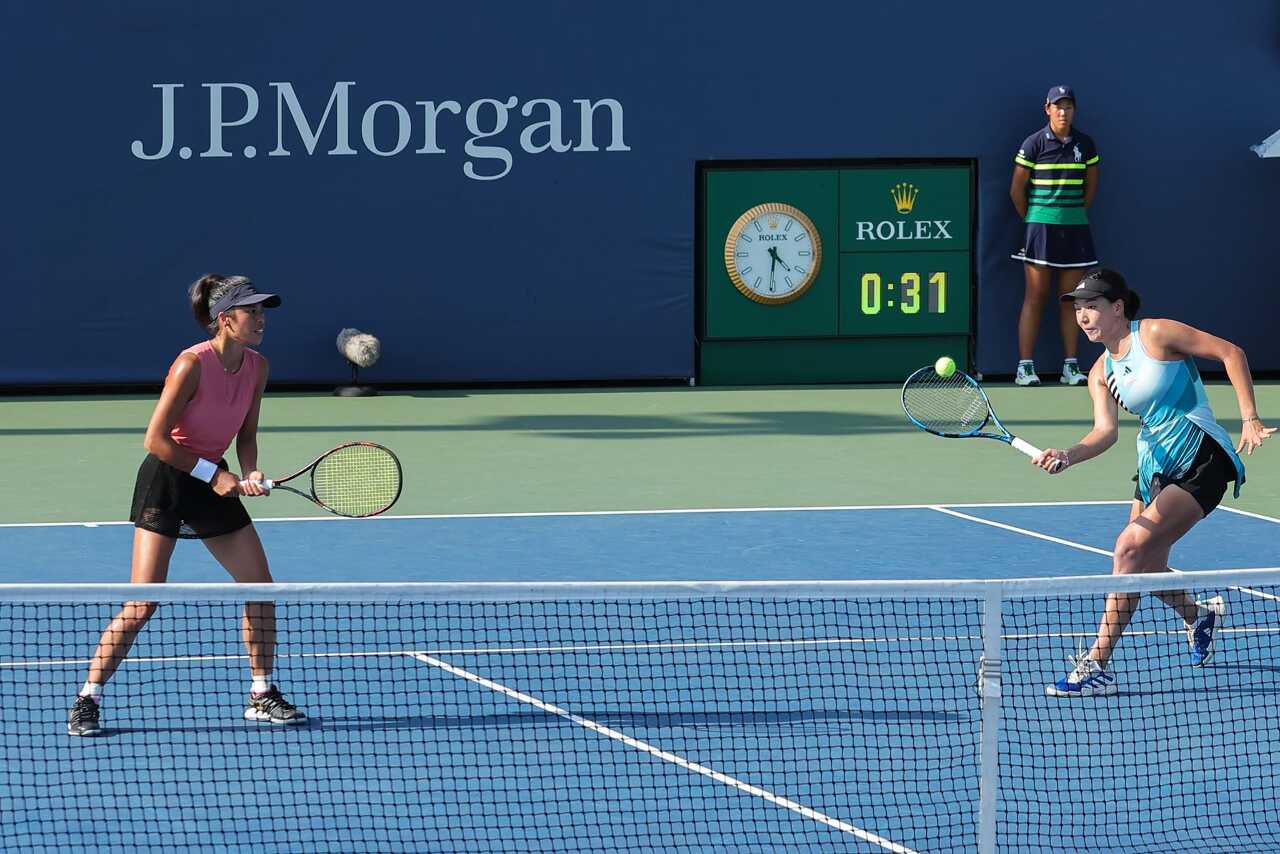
175, 504
1206, 479
1066, 246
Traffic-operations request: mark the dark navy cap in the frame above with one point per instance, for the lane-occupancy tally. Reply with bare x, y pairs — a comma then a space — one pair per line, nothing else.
241, 295
1057, 93
1107, 284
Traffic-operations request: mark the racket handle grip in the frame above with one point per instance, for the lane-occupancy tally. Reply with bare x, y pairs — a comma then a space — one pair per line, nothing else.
1026, 447
265, 484
1032, 451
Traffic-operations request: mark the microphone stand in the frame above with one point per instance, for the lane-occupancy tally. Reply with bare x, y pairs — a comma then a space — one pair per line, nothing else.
355, 389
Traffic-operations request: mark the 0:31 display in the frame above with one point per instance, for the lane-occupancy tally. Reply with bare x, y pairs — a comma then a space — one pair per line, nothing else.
909, 303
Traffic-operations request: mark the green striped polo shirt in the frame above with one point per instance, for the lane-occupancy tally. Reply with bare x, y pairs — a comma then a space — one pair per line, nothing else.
1055, 192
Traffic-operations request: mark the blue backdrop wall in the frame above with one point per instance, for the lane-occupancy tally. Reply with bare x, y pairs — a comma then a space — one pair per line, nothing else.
505, 191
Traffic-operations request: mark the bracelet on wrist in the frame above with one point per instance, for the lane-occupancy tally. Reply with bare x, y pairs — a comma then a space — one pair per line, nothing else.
204, 470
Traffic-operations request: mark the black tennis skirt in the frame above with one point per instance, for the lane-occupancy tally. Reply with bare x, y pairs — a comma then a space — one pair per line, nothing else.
175, 504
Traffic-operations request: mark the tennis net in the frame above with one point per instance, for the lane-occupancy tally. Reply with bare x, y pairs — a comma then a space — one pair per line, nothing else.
748, 716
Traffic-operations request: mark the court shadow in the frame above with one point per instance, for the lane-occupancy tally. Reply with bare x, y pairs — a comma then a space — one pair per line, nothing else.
1207, 691
809, 721
1247, 668
607, 427
231, 726
647, 720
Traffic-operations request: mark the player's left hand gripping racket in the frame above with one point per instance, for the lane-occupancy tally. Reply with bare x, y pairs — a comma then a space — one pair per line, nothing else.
956, 407
356, 479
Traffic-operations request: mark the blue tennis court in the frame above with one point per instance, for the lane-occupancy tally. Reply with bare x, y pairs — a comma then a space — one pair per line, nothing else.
905, 542
699, 725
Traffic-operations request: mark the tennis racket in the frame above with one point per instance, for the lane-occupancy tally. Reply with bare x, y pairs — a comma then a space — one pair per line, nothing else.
356, 479
956, 407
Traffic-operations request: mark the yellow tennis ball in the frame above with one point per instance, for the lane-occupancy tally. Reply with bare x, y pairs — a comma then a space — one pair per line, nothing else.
945, 366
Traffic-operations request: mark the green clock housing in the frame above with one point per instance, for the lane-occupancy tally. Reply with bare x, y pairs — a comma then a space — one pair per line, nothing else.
893, 291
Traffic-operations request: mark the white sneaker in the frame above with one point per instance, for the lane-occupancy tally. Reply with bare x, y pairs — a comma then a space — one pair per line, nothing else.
1026, 375
1071, 374
1086, 679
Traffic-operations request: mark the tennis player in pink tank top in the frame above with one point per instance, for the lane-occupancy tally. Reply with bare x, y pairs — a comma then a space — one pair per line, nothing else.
185, 489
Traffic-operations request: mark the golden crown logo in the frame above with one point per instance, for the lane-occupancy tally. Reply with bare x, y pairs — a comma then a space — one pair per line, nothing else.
773, 222
904, 197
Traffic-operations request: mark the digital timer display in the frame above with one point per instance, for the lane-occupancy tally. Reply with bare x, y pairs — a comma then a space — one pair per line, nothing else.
910, 300
890, 293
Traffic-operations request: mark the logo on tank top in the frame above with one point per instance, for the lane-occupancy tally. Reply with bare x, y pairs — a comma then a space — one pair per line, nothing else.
1115, 389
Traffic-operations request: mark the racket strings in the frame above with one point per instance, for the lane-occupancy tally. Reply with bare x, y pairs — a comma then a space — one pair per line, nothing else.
945, 404
357, 480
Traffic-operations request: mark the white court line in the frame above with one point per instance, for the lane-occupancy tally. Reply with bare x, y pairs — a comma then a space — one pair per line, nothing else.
1024, 531
665, 756
1072, 544
621, 647
1248, 513
570, 513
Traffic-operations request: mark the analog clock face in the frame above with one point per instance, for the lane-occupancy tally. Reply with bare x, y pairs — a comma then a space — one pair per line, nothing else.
773, 253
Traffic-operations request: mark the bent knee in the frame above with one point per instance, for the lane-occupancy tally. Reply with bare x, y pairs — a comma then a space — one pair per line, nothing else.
1133, 553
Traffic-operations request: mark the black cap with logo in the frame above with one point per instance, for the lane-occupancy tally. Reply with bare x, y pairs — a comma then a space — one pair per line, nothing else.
1107, 284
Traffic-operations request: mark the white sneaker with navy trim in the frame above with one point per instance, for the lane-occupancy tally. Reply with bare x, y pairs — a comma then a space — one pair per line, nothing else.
1203, 633
1026, 374
1086, 679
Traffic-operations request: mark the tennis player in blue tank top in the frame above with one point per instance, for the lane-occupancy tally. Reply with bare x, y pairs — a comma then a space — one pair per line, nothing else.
1185, 458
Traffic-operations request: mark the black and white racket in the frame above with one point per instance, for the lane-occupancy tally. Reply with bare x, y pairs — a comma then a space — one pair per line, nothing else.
956, 407
356, 479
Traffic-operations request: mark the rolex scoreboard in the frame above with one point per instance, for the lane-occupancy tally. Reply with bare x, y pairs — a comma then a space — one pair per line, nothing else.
844, 271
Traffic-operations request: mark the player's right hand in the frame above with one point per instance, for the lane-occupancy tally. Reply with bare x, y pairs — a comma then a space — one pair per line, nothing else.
1052, 460
254, 483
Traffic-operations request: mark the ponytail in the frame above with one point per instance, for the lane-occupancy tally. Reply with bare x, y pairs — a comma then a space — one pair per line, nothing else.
205, 292
1132, 302
1112, 287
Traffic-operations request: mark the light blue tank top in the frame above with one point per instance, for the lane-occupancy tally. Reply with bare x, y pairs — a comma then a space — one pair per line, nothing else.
1170, 401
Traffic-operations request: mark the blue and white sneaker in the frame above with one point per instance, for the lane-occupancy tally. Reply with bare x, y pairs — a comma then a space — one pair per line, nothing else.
1086, 679
1203, 633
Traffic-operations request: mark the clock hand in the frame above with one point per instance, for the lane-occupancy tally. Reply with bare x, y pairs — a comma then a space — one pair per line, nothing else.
777, 259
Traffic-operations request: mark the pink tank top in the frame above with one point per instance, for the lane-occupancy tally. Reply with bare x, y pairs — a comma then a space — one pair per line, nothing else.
216, 412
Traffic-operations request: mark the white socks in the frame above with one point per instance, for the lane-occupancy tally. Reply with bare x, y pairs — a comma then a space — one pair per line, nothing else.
92, 689
261, 685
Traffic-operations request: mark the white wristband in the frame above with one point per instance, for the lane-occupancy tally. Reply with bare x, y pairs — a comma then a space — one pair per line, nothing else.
204, 470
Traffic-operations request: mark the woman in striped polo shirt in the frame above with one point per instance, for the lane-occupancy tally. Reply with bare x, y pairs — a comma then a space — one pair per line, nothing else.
211, 396
1055, 177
